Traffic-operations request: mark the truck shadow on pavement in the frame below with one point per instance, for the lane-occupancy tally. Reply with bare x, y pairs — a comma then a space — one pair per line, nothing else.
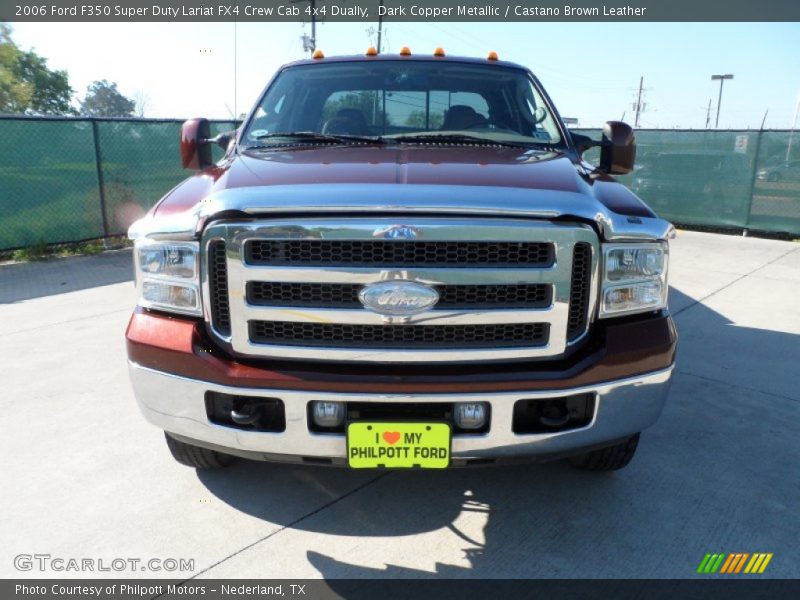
715, 441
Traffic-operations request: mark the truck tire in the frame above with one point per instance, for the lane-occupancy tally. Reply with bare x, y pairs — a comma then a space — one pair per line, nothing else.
607, 459
195, 456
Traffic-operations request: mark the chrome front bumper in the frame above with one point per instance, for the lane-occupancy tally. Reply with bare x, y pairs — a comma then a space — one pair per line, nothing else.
177, 405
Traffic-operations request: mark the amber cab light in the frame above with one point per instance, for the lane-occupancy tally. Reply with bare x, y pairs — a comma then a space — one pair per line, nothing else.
318, 54
492, 55
405, 51
372, 51
438, 52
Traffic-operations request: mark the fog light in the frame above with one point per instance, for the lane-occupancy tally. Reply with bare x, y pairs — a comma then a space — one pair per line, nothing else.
328, 414
470, 415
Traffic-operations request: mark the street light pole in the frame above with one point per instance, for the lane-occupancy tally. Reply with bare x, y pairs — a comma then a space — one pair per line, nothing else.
722, 79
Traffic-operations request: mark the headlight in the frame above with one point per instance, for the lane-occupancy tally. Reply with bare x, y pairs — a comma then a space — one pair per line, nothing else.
634, 278
167, 276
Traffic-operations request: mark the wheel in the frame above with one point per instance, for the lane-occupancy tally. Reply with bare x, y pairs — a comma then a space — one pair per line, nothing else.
195, 456
607, 459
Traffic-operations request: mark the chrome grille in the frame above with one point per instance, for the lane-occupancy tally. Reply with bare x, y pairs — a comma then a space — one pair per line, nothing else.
398, 336
579, 290
218, 278
398, 253
505, 287
345, 295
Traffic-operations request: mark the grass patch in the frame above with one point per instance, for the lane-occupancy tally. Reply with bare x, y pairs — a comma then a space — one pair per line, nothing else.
41, 251
34, 252
93, 247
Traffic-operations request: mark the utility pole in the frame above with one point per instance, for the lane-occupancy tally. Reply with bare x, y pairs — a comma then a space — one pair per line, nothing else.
721, 79
235, 72
310, 43
794, 126
380, 27
638, 107
708, 114
313, 5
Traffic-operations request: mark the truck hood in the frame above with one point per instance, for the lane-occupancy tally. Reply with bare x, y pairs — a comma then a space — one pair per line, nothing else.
404, 179
413, 165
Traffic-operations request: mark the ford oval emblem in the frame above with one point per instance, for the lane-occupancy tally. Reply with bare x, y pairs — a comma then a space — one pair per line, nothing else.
398, 298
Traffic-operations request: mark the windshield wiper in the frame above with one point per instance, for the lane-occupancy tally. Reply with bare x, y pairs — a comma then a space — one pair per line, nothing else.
456, 138
311, 137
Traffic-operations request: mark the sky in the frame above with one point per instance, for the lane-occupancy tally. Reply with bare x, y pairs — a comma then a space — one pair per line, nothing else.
591, 70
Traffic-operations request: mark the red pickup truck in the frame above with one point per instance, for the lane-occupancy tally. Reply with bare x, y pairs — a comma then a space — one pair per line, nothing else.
402, 261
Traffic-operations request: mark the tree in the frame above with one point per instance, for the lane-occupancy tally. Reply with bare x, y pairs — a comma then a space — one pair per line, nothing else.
104, 100
26, 84
416, 118
368, 102
142, 101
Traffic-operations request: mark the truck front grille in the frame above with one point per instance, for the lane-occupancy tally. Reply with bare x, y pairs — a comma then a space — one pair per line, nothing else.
451, 297
398, 336
580, 290
218, 284
508, 289
398, 253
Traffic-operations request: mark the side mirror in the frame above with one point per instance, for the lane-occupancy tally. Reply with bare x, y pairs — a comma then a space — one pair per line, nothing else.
223, 140
583, 142
618, 148
195, 144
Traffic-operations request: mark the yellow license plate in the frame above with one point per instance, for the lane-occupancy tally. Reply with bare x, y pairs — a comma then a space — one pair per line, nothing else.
398, 445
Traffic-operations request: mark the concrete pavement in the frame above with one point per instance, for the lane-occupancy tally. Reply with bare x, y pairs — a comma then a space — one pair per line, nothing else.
85, 477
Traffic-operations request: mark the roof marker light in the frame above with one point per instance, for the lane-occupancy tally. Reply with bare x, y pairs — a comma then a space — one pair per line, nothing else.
438, 52
372, 51
405, 51
492, 55
318, 54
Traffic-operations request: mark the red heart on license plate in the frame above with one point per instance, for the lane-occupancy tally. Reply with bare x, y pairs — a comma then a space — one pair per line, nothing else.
391, 437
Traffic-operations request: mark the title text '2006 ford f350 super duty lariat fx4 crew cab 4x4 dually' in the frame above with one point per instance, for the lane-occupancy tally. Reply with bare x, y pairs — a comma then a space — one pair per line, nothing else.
402, 261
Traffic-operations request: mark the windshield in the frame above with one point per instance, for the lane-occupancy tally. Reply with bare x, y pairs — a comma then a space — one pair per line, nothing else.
420, 101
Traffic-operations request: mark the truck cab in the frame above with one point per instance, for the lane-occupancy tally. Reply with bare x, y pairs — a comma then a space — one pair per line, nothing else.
402, 261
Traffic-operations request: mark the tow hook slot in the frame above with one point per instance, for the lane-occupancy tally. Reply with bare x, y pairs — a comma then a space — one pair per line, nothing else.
252, 413
549, 415
246, 415
554, 414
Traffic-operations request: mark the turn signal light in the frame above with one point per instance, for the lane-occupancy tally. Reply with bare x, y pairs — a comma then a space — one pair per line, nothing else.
318, 54
492, 55
438, 52
405, 51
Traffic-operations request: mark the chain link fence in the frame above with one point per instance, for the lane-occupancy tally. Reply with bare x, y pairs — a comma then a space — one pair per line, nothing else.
73, 179
729, 179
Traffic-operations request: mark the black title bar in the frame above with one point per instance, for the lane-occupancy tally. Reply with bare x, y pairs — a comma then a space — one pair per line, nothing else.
399, 10
398, 589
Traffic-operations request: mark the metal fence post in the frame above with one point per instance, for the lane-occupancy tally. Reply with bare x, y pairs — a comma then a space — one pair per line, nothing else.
101, 185
753, 181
